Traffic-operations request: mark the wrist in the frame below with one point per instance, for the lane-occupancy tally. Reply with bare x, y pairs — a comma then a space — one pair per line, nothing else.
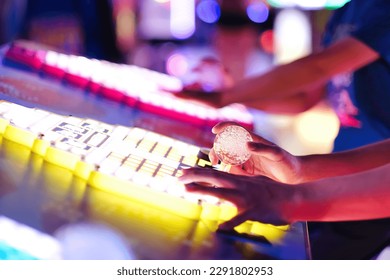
296, 170
310, 202
302, 169
294, 204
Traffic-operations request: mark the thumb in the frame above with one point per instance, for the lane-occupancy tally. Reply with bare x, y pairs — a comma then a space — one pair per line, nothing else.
271, 152
237, 220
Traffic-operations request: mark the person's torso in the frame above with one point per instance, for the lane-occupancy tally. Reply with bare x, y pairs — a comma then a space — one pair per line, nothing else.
361, 98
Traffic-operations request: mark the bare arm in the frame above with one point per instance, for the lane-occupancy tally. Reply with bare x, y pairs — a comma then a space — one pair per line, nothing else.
301, 77
314, 167
364, 195
298, 103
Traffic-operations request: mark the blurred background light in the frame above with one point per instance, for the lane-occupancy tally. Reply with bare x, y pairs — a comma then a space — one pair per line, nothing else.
267, 41
257, 12
182, 20
308, 4
312, 4
335, 4
177, 65
88, 240
208, 11
317, 128
125, 27
154, 20
292, 35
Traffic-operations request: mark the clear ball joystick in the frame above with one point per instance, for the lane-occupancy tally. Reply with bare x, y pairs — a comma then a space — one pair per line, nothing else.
230, 145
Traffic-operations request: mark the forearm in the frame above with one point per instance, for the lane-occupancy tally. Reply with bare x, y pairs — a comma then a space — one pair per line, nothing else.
302, 75
284, 81
364, 195
314, 167
294, 104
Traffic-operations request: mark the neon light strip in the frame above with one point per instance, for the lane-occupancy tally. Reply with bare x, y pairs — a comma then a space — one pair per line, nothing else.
135, 86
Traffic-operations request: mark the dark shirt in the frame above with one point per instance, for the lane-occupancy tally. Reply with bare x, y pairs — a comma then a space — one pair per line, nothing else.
362, 99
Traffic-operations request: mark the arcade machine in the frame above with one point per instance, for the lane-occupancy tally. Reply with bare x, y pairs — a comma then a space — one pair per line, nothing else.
93, 142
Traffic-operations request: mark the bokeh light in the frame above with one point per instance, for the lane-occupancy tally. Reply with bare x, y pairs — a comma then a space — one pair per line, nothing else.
308, 4
292, 35
312, 4
267, 41
177, 65
257, 12
182, 21
162, 1
317, 127
208, 11
335, 4
125, 24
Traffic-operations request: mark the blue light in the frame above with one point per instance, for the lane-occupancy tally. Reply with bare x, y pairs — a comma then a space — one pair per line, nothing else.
308, 5
208, 11
257, 12
335, 4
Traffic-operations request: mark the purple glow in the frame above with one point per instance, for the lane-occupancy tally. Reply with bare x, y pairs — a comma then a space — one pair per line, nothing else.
208, 11
257, 12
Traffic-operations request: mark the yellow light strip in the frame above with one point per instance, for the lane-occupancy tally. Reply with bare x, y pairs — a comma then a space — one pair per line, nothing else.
19, 135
